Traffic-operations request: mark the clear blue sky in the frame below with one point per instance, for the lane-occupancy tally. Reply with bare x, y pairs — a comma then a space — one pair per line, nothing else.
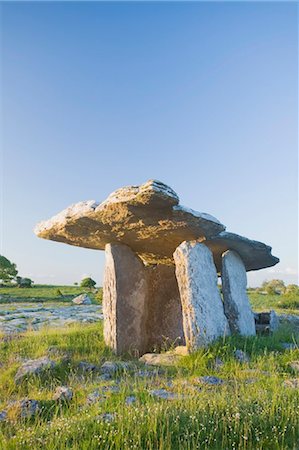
202, 96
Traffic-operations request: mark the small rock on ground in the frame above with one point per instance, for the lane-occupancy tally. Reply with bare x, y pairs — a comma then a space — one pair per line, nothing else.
63, 393
294, 365
211, 380
160, 359
131, 399
292, 383
82, 299
241, 356
25, 408
34, 367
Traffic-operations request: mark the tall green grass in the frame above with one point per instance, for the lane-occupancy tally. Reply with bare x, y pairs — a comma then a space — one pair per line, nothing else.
252, 409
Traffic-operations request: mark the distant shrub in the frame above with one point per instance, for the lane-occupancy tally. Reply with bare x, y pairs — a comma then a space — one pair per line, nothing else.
292, 290
99, 295
58, 293
88, 283
24, 282
273, 287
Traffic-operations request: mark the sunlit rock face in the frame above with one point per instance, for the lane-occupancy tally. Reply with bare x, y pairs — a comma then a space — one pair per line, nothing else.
147, 218
203, 314
236, 303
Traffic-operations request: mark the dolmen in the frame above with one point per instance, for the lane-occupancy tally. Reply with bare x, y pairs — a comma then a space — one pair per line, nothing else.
162, 266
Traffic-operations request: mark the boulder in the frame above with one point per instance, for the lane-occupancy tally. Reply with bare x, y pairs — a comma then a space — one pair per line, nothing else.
25, 408
202, 307
63, 393
34, 367
147, 218
160, 359
82, 299
236, 303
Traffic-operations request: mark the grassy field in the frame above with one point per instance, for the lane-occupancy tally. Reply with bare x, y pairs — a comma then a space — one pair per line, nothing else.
45, 293
252, 409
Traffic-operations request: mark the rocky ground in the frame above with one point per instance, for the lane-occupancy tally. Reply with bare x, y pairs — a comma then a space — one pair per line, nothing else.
17, 317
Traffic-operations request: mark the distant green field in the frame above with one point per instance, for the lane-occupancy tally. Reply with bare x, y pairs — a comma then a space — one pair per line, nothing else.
50, 293
45, 293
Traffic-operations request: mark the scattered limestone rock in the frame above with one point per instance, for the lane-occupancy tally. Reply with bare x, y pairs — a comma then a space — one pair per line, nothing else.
294, 365
87, 367
181, 350
210, 380
3, 416
63, 393
217, 363
292, 383
34, 367
164, 394
112, 367
107, 417
95, 397
25, 408
130, 400
82, 299
241, 356
159, 359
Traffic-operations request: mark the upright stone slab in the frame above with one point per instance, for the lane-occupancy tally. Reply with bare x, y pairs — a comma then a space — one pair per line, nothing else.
202, 307
164, 320
124, 300
236, 303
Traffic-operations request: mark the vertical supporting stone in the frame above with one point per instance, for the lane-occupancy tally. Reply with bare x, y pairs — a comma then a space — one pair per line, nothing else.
165, 320
236, 303
202, 307
124, 300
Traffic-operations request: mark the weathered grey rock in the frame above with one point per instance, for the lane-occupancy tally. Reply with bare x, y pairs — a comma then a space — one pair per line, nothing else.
95, 396
112, 367
236, 303
202, 307
34, 367
63, 393
3, 416
210, 380
106, 417
164, 394
82, 299
130, 400
124, 300
87, 367
160, 359
25, 408
241, 356
147, 218
294, 365
292, 383
255, 255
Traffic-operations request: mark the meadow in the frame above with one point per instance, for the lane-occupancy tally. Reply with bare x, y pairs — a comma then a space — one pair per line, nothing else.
251, 404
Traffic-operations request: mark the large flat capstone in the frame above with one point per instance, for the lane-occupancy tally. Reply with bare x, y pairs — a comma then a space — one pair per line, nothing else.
202, 307
148, 218
254, 254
